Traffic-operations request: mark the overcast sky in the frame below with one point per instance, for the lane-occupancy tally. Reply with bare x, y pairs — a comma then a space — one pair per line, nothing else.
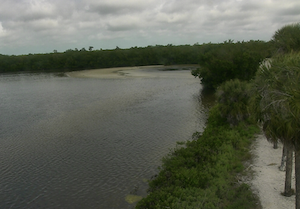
41, 26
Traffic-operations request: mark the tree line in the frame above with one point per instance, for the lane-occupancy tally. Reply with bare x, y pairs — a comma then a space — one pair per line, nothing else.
71, 60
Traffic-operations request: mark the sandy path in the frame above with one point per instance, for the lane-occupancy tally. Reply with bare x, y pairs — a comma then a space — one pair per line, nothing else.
268, 181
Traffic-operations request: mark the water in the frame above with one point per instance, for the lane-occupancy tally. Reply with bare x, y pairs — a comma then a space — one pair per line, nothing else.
88, 143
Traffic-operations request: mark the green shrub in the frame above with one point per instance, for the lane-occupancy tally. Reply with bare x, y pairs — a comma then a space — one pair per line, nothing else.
287, 38
222, 62
233, 97
203, 173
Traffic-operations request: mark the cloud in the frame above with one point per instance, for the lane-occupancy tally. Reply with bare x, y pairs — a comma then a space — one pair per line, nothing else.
290, 10
42, 25
2, 31
38, 10
116, 7
171, 18
123, 24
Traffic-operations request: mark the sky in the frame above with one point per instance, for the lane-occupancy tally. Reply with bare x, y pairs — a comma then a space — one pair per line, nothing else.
42, 26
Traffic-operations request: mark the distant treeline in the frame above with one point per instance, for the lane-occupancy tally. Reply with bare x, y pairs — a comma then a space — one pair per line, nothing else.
71, 60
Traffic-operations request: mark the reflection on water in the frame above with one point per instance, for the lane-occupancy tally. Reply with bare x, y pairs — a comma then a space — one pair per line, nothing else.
89, 143
207, 97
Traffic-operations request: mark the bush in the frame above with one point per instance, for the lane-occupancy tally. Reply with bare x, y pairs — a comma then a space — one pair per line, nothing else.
202, 174
233, 97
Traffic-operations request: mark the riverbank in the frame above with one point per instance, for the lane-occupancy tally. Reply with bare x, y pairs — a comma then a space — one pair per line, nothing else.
268, 181
256, 184
208, 171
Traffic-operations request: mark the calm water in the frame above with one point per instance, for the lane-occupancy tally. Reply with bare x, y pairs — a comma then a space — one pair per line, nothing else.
88, 143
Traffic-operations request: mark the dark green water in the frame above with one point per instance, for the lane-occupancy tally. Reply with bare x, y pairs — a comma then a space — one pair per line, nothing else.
88, 143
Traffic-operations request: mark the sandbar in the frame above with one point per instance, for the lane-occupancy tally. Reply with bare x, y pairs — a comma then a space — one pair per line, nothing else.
137, 71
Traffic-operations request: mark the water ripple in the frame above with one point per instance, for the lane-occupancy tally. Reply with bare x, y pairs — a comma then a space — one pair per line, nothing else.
88, 143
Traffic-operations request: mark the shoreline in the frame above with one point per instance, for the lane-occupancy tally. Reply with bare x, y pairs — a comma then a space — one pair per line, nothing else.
268, 180
115, 72
121, 72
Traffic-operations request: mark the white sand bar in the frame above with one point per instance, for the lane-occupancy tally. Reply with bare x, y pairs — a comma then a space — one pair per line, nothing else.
268, 180
123, 72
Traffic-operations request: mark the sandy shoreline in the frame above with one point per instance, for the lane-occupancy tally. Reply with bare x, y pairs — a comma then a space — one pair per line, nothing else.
268, 181
115, 72
122, 72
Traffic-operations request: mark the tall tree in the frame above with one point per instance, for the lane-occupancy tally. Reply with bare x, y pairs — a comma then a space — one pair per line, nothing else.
287, 38
222, 62
279, 104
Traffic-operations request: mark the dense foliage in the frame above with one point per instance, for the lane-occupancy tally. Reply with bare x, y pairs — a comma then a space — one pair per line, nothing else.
276, 100
136, 56
222, 62
233, 97
277, 96
83, 59
287, 38
277, 104
203, 174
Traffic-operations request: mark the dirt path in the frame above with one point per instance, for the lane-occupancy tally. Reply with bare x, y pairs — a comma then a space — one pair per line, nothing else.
268, 181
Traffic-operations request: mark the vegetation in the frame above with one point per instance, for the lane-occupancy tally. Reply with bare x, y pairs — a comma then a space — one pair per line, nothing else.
277, 103
204, 173
233, 97
276, 100
287, 38
82, 59
222, 62
71, 60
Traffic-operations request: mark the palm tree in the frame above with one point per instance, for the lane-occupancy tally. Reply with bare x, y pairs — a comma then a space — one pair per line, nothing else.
287, 38
259, 96
274, 140
274, 128
278, 98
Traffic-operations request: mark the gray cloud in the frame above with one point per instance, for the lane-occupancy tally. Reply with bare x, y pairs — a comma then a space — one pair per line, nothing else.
116, 7
123, 24
33, 26
290, 10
